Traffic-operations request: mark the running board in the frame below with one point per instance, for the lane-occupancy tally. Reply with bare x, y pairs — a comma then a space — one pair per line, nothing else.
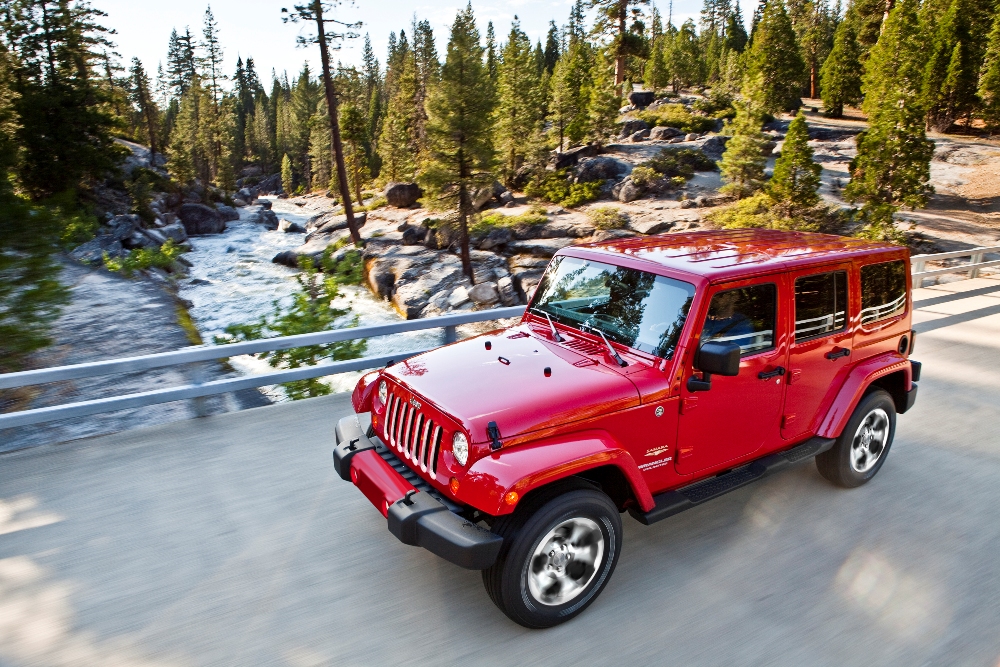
684, 498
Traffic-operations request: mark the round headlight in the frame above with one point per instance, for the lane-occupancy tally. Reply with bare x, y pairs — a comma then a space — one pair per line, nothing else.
383, 392
460, 448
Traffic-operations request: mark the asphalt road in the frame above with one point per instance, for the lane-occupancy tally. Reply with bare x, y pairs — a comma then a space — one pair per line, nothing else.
229, 541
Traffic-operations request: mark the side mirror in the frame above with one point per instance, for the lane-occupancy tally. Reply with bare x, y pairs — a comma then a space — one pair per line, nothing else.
714, 358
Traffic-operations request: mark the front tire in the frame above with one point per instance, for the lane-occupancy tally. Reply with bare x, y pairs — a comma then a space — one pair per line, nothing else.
558, 554
864, 445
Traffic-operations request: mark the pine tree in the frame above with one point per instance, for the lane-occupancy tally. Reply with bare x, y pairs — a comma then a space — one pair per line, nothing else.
492, 60
552, 51
743, 162
892, 167
612, 17
569, 90
355, 130
775, 71
841, 72
287, 178
989, 78
370, 67
460, 149
736, 32
397, 143
657, 76
428, 69
517, 123
684, 61
182, 63
212, 60
313, 12
951, 74
603, 105
143, 98
795, 180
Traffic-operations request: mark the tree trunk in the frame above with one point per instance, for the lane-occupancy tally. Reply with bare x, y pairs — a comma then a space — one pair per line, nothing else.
337, 144
889, 4
812, 80
620, 56
464, 207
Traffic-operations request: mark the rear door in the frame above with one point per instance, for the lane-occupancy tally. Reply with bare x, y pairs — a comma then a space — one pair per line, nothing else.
819, 355
738, 415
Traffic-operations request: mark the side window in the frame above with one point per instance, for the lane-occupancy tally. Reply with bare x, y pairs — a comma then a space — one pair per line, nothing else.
820, 304
883, 291
744, 316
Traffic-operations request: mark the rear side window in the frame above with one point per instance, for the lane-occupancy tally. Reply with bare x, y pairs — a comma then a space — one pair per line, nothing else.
883, 291
744, 316
820, 304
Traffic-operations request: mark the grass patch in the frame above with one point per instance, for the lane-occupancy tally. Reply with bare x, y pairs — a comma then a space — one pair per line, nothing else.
378, 202
643, 176
675, 115
187, 324
142, 259
535, 216
608, 217
556, 187
760, 211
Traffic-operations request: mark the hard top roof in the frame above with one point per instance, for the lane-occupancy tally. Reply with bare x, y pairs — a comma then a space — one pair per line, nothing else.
732, 253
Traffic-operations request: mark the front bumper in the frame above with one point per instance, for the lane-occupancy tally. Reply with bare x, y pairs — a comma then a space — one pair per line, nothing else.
414, 516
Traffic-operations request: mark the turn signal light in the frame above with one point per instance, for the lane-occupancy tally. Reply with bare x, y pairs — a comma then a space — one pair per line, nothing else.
453, 484
511, 498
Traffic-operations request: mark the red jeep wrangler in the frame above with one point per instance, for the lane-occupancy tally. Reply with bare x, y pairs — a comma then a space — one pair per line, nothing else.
649, 375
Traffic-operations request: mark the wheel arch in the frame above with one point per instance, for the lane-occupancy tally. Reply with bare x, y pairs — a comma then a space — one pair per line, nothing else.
890, 371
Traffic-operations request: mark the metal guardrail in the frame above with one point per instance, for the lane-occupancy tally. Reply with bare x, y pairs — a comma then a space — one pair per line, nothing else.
918, 263
198, 390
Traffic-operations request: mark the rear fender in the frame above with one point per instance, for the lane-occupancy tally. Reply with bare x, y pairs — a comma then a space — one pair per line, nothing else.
361, 399
529, 467
860, 378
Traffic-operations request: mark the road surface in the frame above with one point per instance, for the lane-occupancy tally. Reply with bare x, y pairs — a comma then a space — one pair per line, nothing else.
228, 540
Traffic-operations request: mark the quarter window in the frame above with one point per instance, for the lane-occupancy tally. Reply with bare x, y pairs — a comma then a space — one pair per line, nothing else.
820, 304
744, 316
883, 291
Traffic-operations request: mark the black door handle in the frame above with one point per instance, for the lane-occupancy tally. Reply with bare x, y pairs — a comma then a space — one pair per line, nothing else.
777, 372
837, 354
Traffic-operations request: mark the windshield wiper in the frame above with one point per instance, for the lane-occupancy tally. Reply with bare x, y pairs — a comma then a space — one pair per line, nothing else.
611, 350
552, 327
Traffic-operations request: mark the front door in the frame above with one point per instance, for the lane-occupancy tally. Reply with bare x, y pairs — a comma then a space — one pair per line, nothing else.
820, 350
738, 415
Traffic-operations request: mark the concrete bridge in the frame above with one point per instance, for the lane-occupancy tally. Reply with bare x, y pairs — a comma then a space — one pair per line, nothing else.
228, 540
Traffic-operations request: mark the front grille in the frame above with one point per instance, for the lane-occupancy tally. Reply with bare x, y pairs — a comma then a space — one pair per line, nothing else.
413, 434
415, 480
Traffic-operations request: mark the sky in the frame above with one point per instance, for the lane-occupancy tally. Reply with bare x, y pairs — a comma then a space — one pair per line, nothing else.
254, 27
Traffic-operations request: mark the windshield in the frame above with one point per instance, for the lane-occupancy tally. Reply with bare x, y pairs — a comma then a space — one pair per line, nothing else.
634, 308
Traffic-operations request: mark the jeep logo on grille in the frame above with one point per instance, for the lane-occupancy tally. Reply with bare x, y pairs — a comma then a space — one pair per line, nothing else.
415, 403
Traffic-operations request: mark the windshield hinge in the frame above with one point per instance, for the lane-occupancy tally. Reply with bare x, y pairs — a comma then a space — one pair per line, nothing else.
493, 432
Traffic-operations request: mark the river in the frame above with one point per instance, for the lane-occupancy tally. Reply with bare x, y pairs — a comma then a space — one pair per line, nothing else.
233, 281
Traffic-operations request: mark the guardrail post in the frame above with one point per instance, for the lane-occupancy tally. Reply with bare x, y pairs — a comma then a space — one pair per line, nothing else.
450, 334
977, 258
197, 375
918, 267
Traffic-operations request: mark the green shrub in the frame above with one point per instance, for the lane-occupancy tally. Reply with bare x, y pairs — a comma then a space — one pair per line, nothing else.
680, 162
760, 211
141, 259
535, 216
608, 217
643, 176
675, 115
719, 104
349, 270
556, 187
375, 203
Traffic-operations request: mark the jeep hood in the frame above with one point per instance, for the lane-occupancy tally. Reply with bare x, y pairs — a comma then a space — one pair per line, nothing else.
507, 383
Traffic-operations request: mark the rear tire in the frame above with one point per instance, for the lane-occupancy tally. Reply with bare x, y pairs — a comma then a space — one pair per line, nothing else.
864, 445
559, 552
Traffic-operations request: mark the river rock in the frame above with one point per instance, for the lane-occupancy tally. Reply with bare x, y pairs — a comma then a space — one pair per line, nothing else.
572, 156
484, 294
626, 191
290, 227
175, 231
691, 137
641, 135
155, 235
715, 146
497, 236
266, 203
263, 216
326, 223
599, 169
481, 197
228, 213
402, 195
651, 226
122, 227
93, 251
458, 297
200, 219
630, 127
689, 203
663, 133
540, 247
641, 98
768, 147
238, 203
414, 235
287, 258
507, 291
507, 199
